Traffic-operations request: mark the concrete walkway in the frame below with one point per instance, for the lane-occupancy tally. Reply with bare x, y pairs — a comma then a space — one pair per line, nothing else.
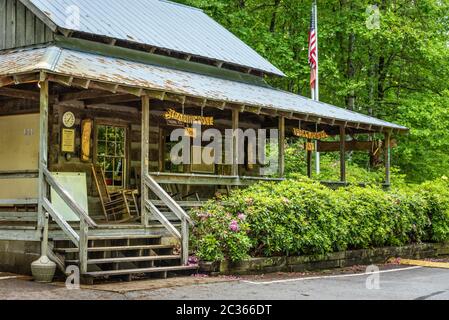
394, 283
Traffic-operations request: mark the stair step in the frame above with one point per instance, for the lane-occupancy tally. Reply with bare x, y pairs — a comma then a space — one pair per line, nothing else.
127, 259
123, 237
138, 271
118, 248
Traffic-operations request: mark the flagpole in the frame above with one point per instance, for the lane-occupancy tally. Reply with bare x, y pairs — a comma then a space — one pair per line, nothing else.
316, 93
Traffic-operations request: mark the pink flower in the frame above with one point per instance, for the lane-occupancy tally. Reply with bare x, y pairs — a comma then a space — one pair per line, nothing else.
241, 217
193, 260
285, 200
234, 226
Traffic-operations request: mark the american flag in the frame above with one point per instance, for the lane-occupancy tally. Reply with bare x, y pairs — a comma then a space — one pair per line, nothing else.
313, 61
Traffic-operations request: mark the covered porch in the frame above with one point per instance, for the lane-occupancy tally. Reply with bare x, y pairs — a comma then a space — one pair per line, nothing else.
100, 117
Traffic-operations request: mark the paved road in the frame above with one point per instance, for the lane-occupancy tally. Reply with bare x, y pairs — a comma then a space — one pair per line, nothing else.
406, 284
410, 284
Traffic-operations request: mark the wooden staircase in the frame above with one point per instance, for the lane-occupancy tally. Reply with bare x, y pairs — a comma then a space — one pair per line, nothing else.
186, 205
124, 257
111, 251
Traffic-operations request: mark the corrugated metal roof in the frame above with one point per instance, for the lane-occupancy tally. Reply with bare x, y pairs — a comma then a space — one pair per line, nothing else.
119, 71
156, 23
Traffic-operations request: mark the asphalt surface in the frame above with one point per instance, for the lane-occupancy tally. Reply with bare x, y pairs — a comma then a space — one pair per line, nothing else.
404, 283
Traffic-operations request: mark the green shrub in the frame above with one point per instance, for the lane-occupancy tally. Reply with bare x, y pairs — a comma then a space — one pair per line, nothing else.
300, 216
220, 234
436, 194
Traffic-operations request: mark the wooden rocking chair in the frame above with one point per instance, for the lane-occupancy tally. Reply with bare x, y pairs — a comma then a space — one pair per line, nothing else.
119, 206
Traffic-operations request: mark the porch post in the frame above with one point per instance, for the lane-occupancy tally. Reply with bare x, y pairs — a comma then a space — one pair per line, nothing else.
43, 151
342, 154
309, 161
235, 142
281, 144
145, 160
388, 158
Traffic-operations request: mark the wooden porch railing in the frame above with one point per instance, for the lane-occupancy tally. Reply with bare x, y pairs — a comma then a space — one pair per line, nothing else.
79, 240
182, 236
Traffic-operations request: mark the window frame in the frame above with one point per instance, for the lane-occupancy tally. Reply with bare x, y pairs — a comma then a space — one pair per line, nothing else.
115, 124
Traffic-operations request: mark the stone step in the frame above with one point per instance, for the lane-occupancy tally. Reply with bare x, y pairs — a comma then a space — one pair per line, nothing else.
97, 274
127, 259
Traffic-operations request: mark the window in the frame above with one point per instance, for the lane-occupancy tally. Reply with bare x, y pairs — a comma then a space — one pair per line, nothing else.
111, 157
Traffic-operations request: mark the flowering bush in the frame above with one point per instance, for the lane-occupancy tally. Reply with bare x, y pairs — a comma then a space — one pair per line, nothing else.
220, 234
300, 216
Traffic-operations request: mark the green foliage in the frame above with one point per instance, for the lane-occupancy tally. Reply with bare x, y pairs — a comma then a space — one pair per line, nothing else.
215, 238
437, 197
399, 72
300, 216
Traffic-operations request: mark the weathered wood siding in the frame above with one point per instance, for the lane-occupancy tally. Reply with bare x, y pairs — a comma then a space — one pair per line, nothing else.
19, 27
131, 120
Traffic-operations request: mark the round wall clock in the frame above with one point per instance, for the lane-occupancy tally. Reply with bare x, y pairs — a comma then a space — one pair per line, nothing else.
68, 119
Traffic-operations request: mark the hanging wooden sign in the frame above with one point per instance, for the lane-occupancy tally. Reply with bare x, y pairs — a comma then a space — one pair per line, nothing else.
188, 119
309, 146
190, 132
310, 135
86, 131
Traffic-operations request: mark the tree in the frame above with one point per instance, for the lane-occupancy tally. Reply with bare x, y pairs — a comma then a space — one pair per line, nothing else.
398, 72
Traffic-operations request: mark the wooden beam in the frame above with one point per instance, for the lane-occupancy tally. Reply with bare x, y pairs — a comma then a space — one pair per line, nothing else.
130, 90
235, 142
26, 78
84, 95
281, 145
81, 83
20, 94
132, 111
43, 148
285, 114
145, 140
104, 86
112, 99
64, 80
388, 158
325, 146
309, 161
342, 154
206, 180
6, 81
159, 95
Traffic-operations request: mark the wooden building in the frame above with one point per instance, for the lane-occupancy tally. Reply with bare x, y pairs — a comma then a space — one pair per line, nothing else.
85, 87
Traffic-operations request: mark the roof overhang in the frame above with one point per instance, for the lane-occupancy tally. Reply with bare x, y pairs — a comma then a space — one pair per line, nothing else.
87, 70
153, 24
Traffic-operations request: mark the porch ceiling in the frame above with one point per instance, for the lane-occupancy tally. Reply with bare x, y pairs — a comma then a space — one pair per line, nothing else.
141, 77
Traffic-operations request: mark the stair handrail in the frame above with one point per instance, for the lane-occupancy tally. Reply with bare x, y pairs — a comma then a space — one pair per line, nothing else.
67, 228
167, 199
86, 222
163, 220
67, 198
